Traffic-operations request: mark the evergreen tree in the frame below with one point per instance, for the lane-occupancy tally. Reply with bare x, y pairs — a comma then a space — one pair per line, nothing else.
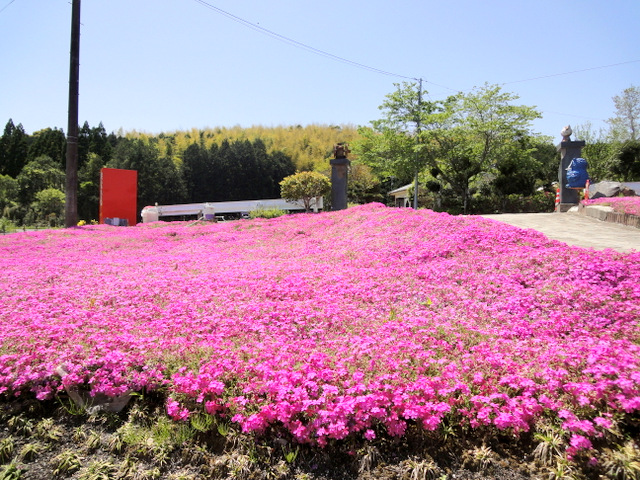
225, 173
242, 171
159, 180
13, 149
100, 143
280, 166
237, 170
89, 188
51, 142
198, 173
84, 144
93, 140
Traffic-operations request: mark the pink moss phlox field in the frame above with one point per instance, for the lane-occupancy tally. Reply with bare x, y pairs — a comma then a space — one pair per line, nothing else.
359, 322
628, 205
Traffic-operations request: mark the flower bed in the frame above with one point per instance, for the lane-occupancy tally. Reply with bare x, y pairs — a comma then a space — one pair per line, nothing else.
359, 322
628, 205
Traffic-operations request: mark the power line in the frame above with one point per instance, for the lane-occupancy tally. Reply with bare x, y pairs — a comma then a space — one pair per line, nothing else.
5, 7
297, 44
576, 116
571, 72
331, 56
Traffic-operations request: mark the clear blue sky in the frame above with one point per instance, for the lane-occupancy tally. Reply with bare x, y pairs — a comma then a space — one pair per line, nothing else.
163, 65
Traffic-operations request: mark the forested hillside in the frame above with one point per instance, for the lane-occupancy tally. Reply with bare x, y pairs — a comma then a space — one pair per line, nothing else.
309, 147
213, 164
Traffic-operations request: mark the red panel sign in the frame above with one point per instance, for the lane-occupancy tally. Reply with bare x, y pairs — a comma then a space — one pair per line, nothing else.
118, 196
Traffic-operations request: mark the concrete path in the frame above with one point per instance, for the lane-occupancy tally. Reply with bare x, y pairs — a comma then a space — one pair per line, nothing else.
575, 229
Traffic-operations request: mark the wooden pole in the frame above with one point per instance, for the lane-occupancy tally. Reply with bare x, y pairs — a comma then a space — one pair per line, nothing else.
71, 185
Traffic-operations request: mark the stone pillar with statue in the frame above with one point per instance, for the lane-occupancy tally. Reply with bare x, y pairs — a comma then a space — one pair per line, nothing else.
339, 176
570, 151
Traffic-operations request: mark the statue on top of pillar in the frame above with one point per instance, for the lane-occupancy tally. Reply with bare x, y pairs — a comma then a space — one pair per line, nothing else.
340, 150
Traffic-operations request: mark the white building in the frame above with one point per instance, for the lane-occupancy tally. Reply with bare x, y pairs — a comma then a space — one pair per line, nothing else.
401, 196
210, 210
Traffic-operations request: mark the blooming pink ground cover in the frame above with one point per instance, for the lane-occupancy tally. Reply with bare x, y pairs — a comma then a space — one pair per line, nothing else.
354, 322
629, 205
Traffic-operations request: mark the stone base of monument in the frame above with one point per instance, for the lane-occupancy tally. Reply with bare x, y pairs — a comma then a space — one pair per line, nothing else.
565, 207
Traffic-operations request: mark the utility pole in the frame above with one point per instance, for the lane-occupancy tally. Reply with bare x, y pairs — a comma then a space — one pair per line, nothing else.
418, 116
71, 184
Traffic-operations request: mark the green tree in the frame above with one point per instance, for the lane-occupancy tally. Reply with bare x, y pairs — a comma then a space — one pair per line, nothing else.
278, 166
626, 166
548, 156
453, 163
392, 147
13, 149
390, 155
479, 131
519, 173
262, 176
586, 132
229, 172
199, 170
38, 175
626, 124
8, 195
89, 188
269, 171
49, 205
84, 144
51, 142
602, 158
93, 140
237, 170
460, 141
304, 186
363, 186
243, 172
159, 179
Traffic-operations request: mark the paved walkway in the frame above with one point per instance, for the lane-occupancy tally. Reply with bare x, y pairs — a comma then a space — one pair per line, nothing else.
575, 229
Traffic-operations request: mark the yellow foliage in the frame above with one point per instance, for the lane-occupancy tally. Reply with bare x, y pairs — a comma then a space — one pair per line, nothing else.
310, 147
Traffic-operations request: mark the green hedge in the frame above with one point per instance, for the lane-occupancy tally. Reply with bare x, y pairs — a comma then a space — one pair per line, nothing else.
267, 213
487, 204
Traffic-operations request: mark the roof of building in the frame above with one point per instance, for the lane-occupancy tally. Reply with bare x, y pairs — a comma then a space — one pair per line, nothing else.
401, 189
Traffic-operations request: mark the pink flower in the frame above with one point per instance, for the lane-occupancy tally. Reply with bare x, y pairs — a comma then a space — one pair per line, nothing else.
504, 420
578, 442
603, 422
369, 434
583, 426
370, 318
175, 411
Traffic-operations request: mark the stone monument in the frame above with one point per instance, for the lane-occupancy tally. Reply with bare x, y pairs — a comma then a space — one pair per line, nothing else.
568, 151
339, 176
